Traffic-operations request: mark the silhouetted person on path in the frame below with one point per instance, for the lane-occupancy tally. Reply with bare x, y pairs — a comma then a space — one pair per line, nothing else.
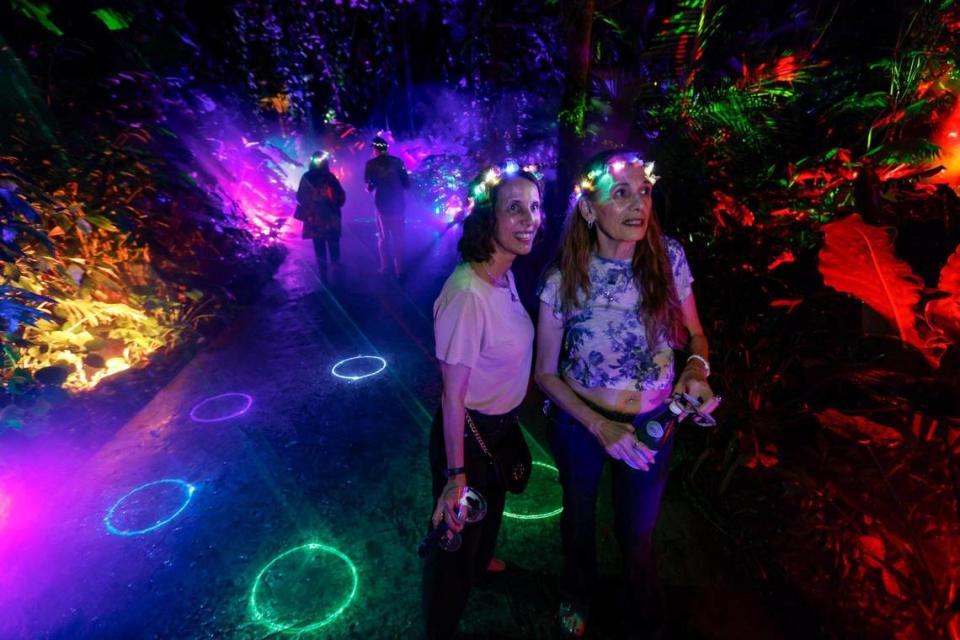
386, 176
319, 199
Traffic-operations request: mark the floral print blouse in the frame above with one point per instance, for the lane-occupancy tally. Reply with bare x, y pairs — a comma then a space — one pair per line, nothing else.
605, 339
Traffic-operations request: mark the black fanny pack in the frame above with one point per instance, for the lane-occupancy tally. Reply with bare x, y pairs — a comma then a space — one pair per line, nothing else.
508, 451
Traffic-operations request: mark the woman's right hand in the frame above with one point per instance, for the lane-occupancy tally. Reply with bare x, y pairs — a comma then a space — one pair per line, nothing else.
621, 444
449, 502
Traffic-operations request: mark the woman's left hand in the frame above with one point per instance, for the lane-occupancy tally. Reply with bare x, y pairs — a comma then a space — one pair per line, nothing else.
693, 383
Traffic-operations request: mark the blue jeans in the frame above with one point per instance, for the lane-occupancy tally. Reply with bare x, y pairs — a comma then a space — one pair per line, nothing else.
636, 501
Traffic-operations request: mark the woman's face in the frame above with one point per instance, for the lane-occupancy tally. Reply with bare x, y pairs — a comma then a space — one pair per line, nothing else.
623, 205
518, 214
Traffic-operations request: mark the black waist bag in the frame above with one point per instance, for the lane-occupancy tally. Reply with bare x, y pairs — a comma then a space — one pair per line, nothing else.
512, 460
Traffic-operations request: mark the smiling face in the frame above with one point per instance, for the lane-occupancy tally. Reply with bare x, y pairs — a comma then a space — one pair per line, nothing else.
518, 216
622, 205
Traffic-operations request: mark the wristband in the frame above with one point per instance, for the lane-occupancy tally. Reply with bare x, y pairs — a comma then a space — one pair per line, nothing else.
455, 471
706, 365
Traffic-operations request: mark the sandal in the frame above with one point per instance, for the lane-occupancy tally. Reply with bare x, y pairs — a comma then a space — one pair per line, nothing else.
573, 624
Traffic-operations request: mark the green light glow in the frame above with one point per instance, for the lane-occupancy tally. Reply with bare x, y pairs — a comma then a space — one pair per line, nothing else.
112, 18
536, 516
38, 12
266, 614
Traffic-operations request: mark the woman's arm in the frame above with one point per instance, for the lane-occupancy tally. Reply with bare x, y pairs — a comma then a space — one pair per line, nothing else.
693, 378
616, 437
455, 379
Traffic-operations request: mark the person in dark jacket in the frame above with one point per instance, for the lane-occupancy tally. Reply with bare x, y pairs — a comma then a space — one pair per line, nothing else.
387, 177
319, 199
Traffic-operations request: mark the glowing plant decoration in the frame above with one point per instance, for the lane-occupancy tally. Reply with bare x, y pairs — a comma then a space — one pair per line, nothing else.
352, 378
247, 403
275, 625
536, 516
188, 490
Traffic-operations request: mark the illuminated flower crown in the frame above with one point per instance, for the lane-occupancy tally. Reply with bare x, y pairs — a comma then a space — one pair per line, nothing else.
319, 157
615, 164
481, 188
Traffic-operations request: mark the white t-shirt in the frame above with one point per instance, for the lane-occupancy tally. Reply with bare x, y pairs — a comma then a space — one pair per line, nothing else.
486, 328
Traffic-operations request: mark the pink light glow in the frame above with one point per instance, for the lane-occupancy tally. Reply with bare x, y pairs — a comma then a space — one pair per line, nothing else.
4, 509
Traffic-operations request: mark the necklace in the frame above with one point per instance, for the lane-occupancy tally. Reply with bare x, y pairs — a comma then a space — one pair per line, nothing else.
503, 283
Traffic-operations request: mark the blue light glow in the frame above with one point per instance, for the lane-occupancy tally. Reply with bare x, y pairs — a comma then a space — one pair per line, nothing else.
246, 401
381, 361
188, 490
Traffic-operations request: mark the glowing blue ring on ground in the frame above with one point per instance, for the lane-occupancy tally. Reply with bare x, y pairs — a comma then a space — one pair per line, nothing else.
536, 516
248, 402
188, 488
277, 626
383, 365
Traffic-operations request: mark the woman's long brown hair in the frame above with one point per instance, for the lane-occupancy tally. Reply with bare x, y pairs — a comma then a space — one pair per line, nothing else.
660, 309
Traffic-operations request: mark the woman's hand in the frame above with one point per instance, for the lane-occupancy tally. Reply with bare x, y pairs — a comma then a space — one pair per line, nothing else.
621, 444
693, 382
448, 504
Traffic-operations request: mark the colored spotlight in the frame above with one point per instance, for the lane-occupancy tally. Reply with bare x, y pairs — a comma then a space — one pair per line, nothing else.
338, 368
242, 401
541, 515
264, 612
188, 491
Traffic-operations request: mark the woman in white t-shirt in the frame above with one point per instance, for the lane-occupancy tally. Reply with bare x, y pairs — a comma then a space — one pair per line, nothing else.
612, 310
484, 342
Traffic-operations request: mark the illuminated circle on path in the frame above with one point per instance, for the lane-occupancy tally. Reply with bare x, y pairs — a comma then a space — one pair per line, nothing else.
536, 516
244, 402
188, 491
275, 624
382, 364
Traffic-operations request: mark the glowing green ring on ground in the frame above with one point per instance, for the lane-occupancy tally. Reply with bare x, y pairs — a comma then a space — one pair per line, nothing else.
277, 627
536, 516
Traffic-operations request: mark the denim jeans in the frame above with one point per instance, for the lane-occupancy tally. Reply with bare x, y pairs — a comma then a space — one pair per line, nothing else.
636, 500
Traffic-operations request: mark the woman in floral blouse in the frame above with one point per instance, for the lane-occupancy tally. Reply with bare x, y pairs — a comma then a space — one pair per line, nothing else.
613, 309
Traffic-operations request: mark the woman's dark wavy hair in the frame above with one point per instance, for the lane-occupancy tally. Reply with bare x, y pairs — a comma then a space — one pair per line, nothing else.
480, 225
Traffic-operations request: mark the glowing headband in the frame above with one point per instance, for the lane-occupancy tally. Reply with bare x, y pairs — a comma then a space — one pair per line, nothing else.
493, 176
615, 164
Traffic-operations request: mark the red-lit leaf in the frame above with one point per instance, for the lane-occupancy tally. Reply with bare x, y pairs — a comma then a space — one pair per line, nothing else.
728, 208
858, 428
945, 312
790, 303
858, 259
873, 550
784, 258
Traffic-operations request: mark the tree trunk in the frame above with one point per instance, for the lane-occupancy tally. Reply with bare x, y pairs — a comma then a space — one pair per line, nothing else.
578, 30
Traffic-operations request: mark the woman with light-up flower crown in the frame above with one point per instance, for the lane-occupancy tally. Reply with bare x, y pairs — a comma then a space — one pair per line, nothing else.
614, 307
484, 342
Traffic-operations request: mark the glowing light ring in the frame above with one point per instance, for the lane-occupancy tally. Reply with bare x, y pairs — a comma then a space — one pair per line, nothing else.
536, 516
383, 365
189, 489
276, 626
248, 402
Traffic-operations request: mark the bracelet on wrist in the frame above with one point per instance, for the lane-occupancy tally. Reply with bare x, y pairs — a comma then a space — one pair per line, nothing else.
455, 471
701, 360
